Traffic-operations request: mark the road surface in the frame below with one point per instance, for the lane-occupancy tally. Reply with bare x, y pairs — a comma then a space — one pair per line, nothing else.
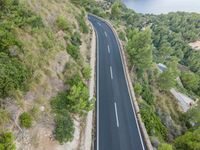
117, 128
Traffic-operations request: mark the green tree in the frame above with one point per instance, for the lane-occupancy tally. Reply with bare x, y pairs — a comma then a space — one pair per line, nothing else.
190, 81
25, 120
189, 141
139, 49
115, 10
166, 80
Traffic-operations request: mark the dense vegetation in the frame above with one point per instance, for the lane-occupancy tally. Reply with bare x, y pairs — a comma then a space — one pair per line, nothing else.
65, 104
23, 64
14, 73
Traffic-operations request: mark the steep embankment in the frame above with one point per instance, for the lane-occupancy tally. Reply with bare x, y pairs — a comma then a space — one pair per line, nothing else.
47, 45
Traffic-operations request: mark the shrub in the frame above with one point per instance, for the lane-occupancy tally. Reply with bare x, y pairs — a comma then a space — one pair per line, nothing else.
165, 146
82, 24
86, 71
73, 51
122, 36
64, 129
7, 141
74, 80
138, 88
35, 21
14, 75
62, 23
76, 39
147, 94
4, 116
25, 120
152, 122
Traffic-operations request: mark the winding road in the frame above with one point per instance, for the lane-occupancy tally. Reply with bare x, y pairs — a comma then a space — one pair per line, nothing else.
117, 127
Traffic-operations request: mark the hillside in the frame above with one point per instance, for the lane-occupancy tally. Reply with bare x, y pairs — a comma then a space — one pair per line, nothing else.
44, 59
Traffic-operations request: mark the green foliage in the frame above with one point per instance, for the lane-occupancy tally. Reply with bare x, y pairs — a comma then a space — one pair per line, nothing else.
62, 23
4, 116
64, 130
139, 49
147, 94
152, 122
189, 141
192, 60
165, 146
86, 71
25, 120
192, 117
166, 80
122, 36
138, 88
76, 39
190, 81
78, 99
75, 100
82, 23
73, 51
13, 74
115, 10
7, 141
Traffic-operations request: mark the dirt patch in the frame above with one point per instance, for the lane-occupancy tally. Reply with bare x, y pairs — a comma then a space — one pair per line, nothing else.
195, 45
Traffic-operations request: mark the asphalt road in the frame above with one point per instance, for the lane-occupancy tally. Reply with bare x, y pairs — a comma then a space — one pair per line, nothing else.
117, 128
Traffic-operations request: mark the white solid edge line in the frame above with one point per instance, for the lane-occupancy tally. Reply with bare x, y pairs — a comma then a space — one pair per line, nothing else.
111, 73
116, 114
97, 52
128, 88
108, 49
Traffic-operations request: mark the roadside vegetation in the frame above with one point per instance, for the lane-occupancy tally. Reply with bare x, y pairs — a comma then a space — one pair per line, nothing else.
41, 46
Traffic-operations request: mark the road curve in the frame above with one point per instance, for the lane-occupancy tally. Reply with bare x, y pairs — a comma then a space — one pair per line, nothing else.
117, 127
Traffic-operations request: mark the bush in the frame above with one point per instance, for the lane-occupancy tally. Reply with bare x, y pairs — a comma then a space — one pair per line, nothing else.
25, 120
86, 71
7, 141
147, 94
73, 51
82, 24
76, 39
122, 36
152, 122
165, 147
14, 75
190, 81
62, 23
64, 129
138, 88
